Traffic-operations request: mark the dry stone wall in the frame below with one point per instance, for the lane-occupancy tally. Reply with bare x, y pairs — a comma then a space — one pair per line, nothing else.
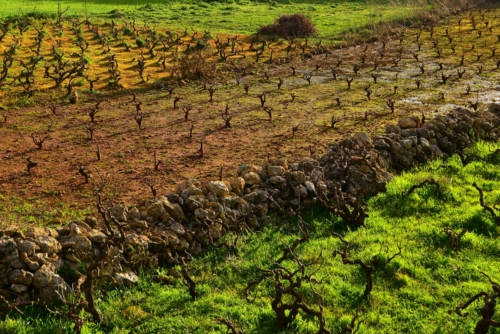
34, 262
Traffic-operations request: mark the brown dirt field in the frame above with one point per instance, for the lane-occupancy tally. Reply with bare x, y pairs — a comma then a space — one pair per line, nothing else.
55, 191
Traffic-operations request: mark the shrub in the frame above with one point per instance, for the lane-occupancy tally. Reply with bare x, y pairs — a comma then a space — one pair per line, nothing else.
140, 42
195, 66
127, 31
290, 26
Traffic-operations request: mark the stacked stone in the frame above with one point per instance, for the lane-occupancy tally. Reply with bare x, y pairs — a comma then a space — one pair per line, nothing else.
30, 261
196, 214
411, 142
29, 265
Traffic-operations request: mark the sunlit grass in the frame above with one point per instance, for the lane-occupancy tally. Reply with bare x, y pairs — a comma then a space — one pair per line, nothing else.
411, 294
239, 17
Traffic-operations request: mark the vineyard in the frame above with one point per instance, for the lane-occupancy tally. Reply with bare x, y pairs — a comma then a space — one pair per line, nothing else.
331, 180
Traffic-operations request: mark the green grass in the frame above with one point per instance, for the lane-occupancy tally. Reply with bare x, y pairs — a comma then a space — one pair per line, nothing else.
411, 294
26, 212
239, 17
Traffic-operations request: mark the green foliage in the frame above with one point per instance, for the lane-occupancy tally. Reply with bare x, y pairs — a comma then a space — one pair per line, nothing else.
127, 31
411, 294
222, 16
140, 42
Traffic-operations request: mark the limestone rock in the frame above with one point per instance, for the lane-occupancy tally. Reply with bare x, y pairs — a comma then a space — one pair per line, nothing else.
18, 289
74, 230
218, 188
91, 221
406, 144
52, 293
238, 185
275, 171
407, 123
302, 191
380, 144
173, 238
186, 184
363, 138
134, 213
298, 177
156, 210
84, 227
251, 178
191, 191
97, 237
8, 258
127, 278
279, 162
177, 229
277, 181
244, 169
35, 232
81, 244
173, 209
48, 244
43, 276
182, 245
20, 276
197, 202
255, 197
261, 209
137, 223
311, 189
7, 245
119, 211
215, 231
32, 265
309, 164
8, 230
241, 206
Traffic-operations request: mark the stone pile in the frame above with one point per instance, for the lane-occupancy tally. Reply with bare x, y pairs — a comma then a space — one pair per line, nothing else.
196, 215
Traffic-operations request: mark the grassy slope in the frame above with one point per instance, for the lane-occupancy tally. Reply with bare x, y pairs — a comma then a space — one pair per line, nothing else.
240, 17
412, 294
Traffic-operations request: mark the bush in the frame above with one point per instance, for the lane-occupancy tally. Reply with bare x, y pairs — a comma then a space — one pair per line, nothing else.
290, 26
127, 31
140, 42
196, 66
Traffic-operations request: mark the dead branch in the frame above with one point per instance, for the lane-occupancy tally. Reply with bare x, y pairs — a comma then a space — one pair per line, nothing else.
269, 112
395, 254
352, 328
231, 327
349, 208
186, 110
486, 207
366, 267
30, 164
295, 129
188, 281
156, 162
83, 172
454, 237
287, 299
467, 159
423, 184
487, 311
39, 139
227, 117
151, 186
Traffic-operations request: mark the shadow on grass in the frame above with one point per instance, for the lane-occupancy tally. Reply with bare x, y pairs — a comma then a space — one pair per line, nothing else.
482, 224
